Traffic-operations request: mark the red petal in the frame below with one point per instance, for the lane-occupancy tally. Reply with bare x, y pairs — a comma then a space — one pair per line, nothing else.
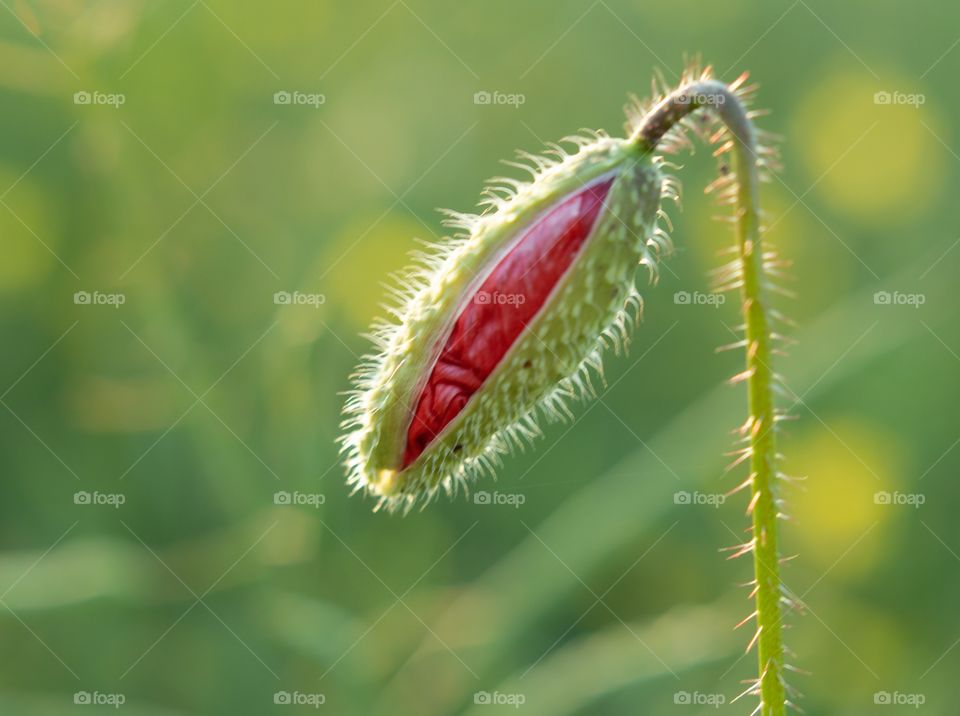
497, 313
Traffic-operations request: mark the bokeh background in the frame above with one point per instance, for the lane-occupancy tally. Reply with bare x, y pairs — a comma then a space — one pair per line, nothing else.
156, 397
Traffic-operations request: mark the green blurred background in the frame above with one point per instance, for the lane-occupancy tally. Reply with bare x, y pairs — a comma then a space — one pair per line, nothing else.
593, 587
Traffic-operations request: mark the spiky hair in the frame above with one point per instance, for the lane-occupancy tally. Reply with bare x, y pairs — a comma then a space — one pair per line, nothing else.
426, 290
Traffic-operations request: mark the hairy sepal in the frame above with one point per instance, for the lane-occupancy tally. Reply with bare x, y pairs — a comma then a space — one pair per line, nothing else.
591, 306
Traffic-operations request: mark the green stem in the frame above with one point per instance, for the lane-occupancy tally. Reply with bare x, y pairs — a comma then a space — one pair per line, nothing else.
720, 99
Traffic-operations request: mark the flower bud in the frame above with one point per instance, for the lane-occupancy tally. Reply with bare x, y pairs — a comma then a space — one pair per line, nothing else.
503, 322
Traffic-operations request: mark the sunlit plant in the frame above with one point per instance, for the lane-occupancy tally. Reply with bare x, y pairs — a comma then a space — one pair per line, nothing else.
506, 321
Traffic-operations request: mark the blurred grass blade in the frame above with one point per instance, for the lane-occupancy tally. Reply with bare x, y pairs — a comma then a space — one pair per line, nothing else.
568, 680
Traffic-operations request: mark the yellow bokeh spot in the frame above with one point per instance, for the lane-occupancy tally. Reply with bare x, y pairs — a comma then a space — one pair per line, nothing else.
873, 150
360, 258
838, 524
25, 229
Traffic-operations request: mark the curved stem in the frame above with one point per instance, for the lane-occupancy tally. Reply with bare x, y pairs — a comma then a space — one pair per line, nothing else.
720, 99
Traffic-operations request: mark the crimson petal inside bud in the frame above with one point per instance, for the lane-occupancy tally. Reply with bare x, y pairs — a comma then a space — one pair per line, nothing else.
497, 313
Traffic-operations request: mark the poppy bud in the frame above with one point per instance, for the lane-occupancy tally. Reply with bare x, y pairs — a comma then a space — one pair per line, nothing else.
503, 322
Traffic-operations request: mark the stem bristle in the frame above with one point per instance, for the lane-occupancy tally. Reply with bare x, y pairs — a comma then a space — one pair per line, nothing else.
746, 158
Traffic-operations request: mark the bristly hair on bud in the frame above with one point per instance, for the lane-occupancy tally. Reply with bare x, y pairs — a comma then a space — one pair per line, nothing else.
504, 322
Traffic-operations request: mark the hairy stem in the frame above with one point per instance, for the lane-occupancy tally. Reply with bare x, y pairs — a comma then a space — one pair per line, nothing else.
759, 429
